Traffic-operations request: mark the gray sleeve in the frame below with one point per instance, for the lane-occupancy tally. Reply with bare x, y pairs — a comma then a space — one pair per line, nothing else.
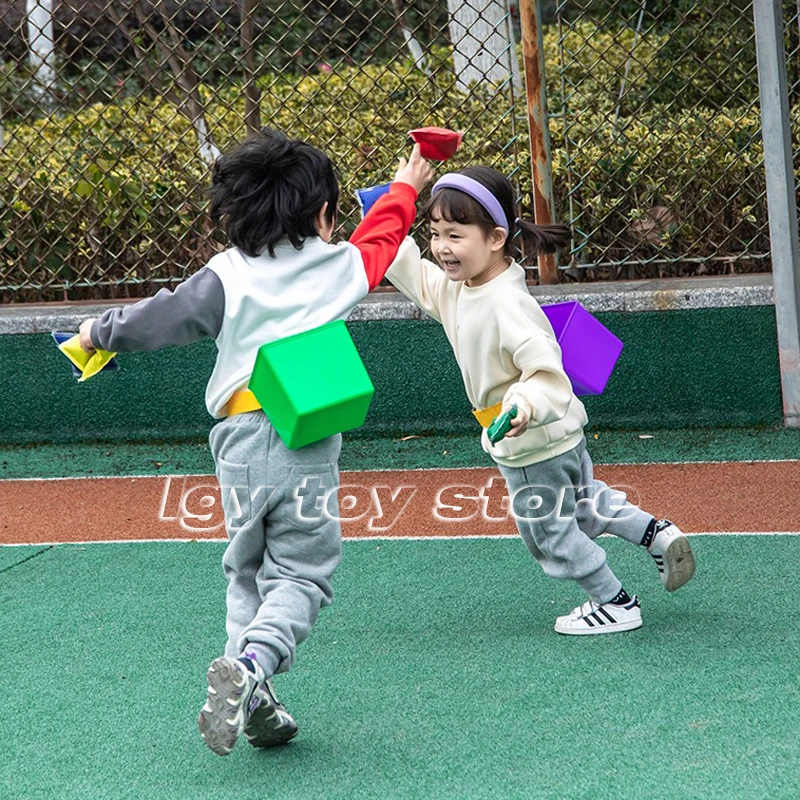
195, 309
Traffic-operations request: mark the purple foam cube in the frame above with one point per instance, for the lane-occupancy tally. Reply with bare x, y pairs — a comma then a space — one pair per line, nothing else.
589, 349
367, 197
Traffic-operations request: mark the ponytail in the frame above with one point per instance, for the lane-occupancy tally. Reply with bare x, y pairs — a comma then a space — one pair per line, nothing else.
543, 238
457, 203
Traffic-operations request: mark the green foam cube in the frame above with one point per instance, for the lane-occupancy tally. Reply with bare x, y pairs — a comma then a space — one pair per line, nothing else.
312, 385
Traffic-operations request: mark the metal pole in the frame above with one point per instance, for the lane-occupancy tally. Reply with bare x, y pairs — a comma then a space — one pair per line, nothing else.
781, 199
530, 13
511, 35
624, 81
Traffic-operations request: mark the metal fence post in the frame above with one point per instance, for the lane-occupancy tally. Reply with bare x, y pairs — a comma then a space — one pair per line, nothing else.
781, 197
530, 12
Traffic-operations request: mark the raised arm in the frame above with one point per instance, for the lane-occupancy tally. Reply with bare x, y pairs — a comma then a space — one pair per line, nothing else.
380, 233
420, 280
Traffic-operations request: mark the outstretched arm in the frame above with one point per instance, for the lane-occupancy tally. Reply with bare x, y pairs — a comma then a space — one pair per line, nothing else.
192, 311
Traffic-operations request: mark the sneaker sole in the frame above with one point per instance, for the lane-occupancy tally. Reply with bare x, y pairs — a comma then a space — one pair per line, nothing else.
679, 564
225, 695
617, 627
264, 729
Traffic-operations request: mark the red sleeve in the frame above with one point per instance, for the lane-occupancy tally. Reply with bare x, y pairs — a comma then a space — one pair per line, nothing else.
380, 234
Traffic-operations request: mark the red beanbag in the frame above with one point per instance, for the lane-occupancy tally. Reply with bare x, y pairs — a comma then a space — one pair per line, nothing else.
437, 144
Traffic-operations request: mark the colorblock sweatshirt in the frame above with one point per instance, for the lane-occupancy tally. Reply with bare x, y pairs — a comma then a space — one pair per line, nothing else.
243, 302
506, 350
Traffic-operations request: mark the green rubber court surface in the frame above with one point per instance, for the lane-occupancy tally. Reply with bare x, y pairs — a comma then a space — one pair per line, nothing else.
435, 674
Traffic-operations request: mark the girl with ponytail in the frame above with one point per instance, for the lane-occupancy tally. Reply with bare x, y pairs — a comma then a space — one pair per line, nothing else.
510, 362
454, 202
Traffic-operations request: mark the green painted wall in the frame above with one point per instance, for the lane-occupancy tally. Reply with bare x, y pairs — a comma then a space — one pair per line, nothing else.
710, 367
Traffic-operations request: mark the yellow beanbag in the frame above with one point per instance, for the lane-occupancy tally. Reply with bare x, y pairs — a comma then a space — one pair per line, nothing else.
89, 364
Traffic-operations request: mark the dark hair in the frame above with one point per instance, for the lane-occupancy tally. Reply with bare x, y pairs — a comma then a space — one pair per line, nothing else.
456, 206
270, 187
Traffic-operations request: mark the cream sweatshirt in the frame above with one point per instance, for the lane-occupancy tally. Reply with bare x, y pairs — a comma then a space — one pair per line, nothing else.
506, 350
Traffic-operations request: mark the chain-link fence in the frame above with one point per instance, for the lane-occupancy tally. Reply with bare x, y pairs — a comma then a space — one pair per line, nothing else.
656, 122
111, 112
109, 135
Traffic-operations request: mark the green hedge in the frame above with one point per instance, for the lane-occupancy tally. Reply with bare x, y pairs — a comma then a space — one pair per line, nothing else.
91, 197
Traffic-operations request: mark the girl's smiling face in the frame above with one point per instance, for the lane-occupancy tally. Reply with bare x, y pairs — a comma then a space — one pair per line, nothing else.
466, 252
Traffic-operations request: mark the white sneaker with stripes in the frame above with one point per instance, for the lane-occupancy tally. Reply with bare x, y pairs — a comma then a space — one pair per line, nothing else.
673, 555
594, 618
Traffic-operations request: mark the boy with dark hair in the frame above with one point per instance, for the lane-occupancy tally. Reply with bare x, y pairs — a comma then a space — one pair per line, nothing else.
277, 200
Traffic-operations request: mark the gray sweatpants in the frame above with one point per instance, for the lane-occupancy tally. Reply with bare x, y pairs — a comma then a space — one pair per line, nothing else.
284, 537
560, 509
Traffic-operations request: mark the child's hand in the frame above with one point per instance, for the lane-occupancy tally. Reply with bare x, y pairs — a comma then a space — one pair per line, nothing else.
519, 424
85, 332
415, 172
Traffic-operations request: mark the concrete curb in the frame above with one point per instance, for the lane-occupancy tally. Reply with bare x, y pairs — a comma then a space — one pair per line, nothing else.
645, 295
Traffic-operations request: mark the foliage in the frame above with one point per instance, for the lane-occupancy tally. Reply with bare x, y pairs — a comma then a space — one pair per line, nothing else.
88, 198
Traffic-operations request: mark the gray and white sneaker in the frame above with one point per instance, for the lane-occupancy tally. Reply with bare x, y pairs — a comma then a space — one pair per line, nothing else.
225, 714
269, 723
673, 555
595, 618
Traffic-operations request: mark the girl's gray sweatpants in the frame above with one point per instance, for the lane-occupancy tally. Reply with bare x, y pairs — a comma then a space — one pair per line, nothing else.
284, 537
560, 509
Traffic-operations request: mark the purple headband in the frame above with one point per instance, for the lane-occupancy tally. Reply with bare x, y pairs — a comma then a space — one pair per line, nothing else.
477, 191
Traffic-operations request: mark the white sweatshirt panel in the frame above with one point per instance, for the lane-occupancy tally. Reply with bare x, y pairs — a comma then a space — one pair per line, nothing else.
270, 298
